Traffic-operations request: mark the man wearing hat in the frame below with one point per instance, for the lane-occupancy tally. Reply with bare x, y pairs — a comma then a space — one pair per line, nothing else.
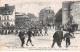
56, 38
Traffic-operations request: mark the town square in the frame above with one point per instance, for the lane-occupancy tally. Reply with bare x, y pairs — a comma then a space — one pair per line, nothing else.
40, 25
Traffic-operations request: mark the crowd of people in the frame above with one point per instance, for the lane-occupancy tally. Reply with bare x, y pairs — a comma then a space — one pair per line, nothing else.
32, 32
57, 36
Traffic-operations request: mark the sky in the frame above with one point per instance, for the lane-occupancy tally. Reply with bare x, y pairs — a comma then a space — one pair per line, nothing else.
33, 6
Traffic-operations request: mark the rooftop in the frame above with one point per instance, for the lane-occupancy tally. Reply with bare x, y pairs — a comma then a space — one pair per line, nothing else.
7, 10
46, 10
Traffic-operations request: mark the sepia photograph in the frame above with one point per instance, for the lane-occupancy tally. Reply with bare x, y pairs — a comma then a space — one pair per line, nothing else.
39, 25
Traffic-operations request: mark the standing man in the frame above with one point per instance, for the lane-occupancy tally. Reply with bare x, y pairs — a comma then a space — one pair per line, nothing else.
56, 38
29, 37
22, 37
67, 36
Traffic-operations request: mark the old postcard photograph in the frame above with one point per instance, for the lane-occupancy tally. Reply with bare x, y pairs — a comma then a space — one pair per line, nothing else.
50, 25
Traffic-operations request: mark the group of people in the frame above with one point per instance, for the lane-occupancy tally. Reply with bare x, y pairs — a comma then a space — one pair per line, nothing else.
58, 36
31, 32
9, 31
22, 37
38, 31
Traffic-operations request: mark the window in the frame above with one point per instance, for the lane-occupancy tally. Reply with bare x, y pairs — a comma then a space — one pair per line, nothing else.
0, 18
46, 11
8, 11
7, 17
4, 17
49, 11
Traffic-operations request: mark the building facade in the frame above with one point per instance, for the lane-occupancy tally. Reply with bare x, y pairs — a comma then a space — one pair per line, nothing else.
46, 16
75, 13
65, 13
7, 18
7, 15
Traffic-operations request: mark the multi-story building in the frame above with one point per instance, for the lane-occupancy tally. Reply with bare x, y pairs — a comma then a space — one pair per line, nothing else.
46, 16
7, 15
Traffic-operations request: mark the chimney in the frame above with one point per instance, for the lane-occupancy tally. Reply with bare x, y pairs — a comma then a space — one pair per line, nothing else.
6, 6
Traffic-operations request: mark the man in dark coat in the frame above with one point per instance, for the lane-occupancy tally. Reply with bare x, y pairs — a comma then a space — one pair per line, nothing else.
22, 37
29, 37
67, 36
60, 35
56, 38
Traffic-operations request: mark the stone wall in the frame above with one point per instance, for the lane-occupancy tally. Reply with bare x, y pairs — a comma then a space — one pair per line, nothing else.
75, 12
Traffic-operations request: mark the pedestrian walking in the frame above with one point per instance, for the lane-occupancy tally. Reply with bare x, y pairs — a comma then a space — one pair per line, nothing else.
29, 37
53, 25
22, 37
45, 29
16, 32
56, 39
37, 31
5, 32
67, 36
40, 30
